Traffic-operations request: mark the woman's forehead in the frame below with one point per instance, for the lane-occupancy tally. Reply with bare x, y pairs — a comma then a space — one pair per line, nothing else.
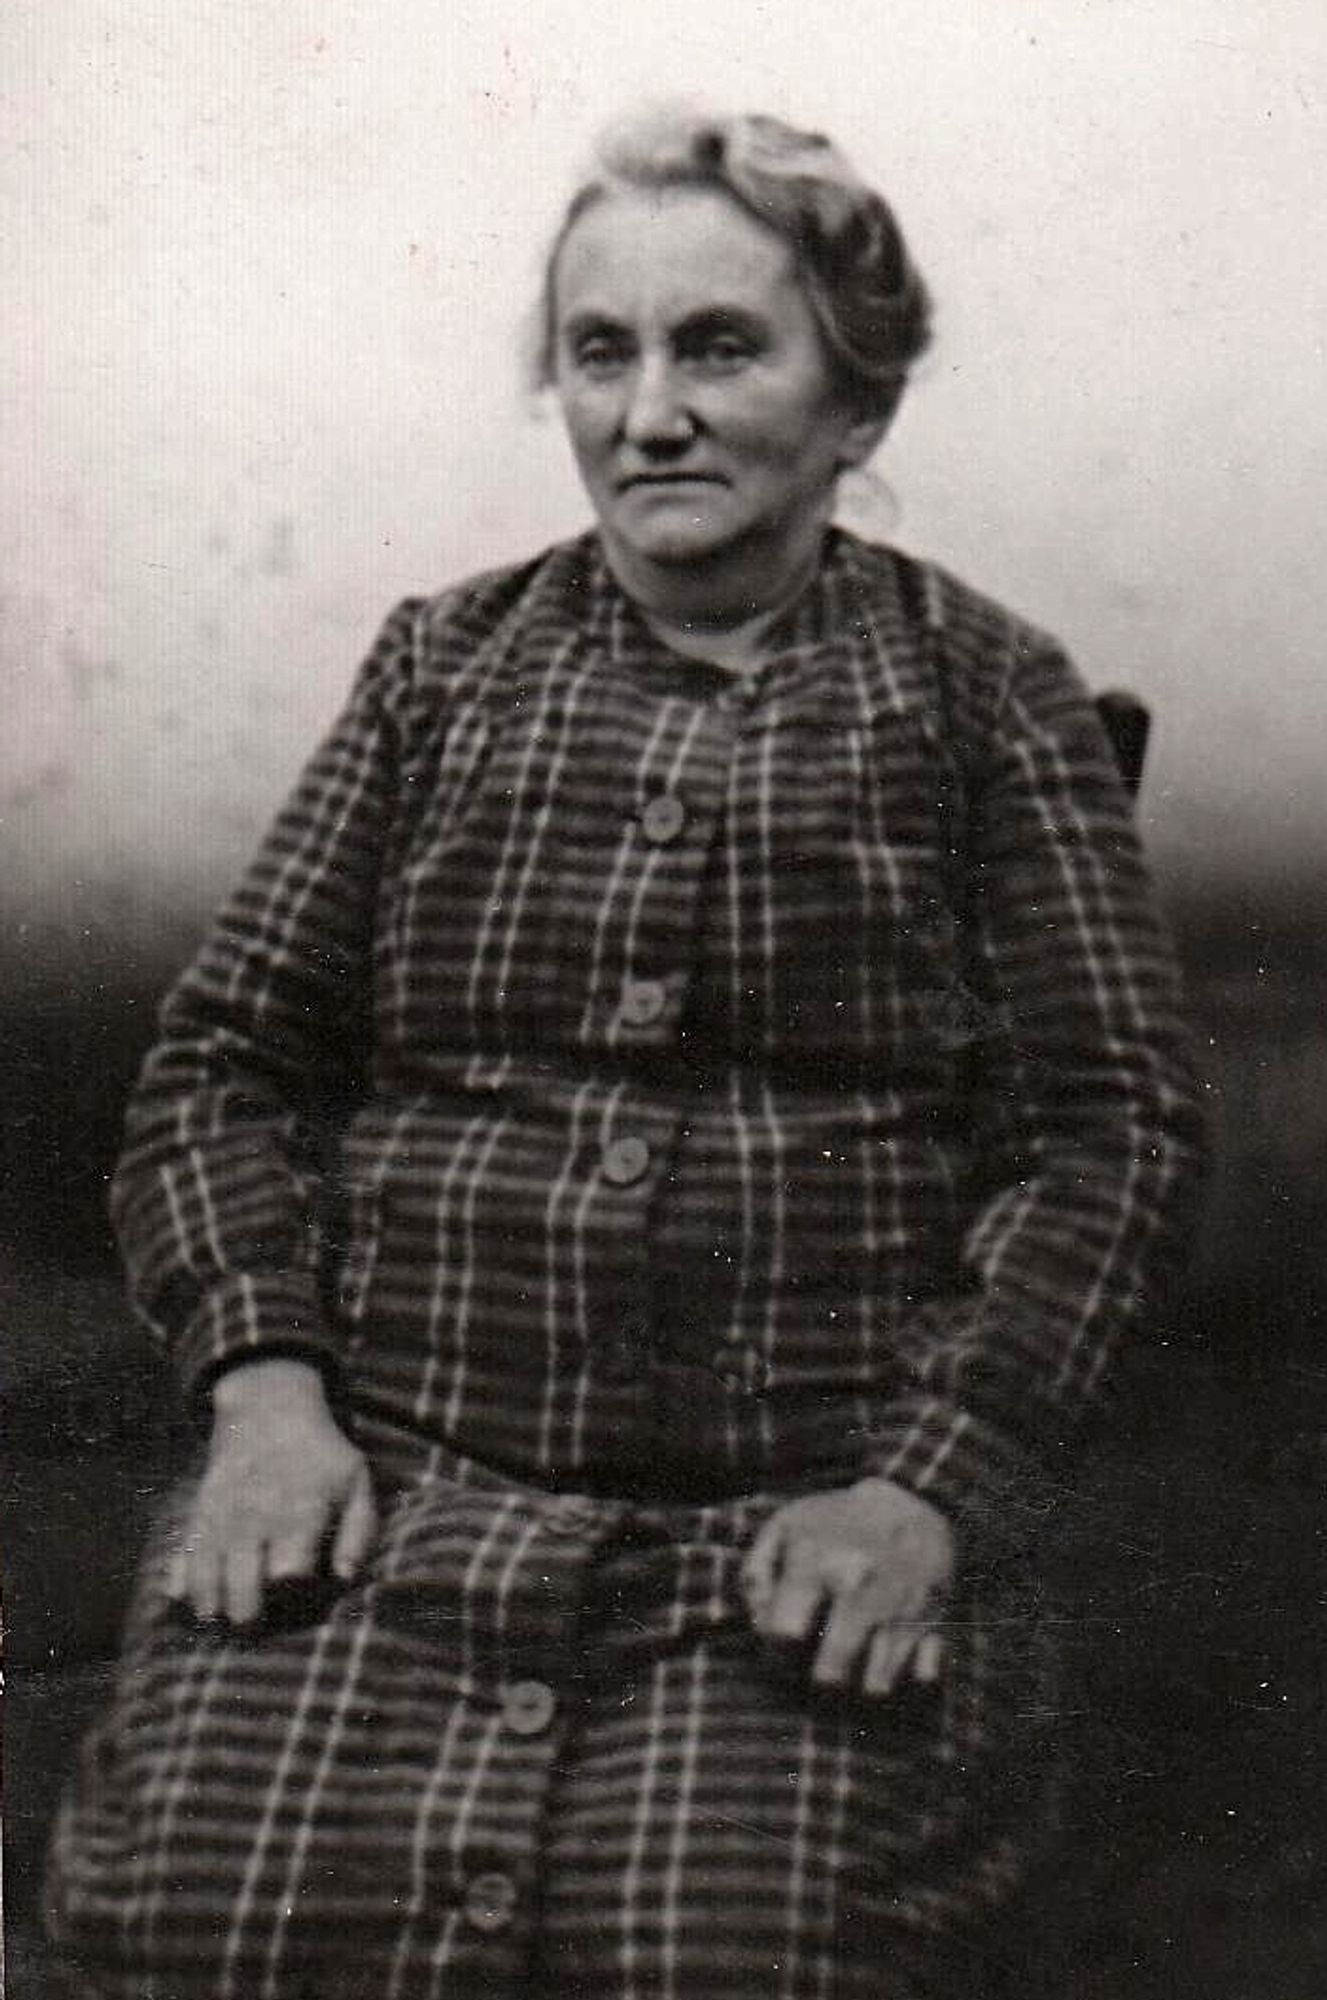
672, 250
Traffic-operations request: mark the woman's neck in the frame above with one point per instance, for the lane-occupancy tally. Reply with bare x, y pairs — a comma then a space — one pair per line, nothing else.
740, 648
694, 615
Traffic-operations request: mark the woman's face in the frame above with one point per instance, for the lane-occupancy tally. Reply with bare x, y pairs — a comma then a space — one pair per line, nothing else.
694, 386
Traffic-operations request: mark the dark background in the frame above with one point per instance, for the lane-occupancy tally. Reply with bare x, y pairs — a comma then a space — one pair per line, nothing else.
1190, 1580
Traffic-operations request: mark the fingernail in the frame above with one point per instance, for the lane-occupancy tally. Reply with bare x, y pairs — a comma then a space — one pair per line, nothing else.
929, 1651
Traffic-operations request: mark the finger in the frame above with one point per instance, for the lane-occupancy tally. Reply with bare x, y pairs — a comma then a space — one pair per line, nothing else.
294, 1553
890, 1648
185, 1571
201, 1584
191, 1581
355, 1530
928, 1657
176, 1581
794, 1609
761, 1567
844, 1641
242, 1579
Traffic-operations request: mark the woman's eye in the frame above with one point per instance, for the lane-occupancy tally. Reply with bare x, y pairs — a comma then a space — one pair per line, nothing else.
599, 354
720, 352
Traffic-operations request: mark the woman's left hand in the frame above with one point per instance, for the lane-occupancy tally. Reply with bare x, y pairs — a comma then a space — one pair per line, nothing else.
867, 1566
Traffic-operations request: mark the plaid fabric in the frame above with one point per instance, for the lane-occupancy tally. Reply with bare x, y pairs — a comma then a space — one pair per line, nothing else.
677, 1090
536, 1750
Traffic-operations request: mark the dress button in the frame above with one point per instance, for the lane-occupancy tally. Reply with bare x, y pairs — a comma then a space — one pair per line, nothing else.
528, 1707
643, 1001
490, 1902
744, 1371
571, 1514
625, 1160
663, 818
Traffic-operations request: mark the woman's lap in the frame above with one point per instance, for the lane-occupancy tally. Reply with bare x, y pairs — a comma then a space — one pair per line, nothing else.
578, 1768
724, 1842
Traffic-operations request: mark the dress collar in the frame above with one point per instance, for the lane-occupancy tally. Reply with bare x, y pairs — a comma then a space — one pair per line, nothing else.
846, 650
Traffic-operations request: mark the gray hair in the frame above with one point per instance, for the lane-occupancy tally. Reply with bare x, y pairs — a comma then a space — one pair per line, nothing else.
867, 296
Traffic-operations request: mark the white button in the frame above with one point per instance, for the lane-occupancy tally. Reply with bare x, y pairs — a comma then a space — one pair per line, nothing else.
528, 1707
643, 1001
741, 1370
490, 1902
625, 1160
571, 1514
663, 819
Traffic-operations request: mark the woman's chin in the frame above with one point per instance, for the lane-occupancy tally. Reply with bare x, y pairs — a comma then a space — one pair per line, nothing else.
669, 544
681, 547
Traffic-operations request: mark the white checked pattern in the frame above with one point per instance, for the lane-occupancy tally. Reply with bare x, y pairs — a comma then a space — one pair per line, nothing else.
898, 1143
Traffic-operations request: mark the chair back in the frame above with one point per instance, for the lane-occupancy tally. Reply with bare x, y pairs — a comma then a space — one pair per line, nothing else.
1127, 722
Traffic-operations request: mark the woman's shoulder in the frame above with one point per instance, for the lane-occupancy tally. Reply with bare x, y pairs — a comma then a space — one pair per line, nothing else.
970, 620
438, 643
989, 667
478, 604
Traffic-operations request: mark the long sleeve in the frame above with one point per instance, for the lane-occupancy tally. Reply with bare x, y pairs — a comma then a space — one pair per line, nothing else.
1085, 1126
564, 1247
218, 1200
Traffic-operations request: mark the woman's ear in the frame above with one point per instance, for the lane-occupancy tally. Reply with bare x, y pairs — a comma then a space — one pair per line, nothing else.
860, 440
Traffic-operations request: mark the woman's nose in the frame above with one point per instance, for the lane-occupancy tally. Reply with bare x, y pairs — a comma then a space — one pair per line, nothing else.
656, 411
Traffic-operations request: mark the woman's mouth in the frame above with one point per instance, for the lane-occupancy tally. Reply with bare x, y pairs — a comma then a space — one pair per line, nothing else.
667, 479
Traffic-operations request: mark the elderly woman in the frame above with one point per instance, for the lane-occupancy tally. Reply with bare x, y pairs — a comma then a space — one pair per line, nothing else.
644, 1176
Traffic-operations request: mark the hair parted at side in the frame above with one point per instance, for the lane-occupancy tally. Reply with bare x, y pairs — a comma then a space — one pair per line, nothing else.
867, 295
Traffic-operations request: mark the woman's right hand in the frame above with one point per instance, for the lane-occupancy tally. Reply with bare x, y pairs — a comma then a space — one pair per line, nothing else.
284, 1487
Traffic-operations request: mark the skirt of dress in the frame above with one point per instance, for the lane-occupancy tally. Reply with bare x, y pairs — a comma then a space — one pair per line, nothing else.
536, 1752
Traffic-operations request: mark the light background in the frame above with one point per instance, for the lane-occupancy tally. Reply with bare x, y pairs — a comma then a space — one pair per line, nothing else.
261, 375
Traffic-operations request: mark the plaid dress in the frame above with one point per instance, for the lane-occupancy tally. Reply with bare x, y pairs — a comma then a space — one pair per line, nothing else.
647, 1096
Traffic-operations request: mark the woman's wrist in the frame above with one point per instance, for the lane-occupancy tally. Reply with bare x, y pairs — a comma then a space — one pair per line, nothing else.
268, 1379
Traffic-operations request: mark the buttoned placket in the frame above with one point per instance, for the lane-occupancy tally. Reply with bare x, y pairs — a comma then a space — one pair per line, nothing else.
494, 1873
668, 852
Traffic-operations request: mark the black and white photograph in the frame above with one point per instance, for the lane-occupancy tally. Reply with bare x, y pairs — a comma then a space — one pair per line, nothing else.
663, 1012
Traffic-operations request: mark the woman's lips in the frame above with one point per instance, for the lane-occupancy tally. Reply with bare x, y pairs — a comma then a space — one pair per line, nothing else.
666, 479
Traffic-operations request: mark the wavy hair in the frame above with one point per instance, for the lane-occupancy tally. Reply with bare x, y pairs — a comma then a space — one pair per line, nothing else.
867, 296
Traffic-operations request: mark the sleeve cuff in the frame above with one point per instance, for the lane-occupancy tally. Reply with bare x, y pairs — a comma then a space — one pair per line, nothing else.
250, 1316
988, 1485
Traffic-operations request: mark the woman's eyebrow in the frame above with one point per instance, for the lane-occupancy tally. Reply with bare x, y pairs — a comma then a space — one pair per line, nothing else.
721, 319
580, 323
